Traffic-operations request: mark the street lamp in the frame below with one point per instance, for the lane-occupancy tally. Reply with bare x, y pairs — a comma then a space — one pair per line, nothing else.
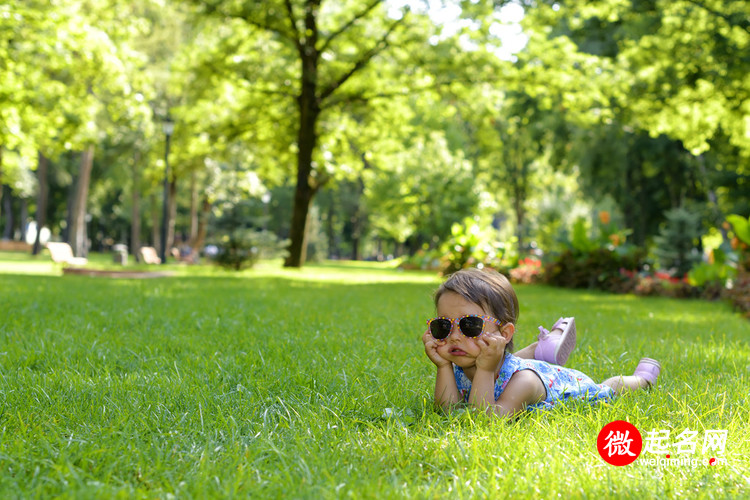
168, 127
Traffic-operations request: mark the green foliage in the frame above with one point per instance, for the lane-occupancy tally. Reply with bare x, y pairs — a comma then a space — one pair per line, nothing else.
424, 259
460, 250
676, 245
739, 294
242, 248
717, 271
469, 247
706, 273
599, 268
580, 240
741, 241
741, 227
421, 191
597, 257
240, 237
689, 87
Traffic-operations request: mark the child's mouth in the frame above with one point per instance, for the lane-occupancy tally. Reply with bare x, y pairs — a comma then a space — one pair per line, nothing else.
457, 352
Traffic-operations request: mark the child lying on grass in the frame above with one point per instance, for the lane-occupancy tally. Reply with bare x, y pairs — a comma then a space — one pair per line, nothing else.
470, 343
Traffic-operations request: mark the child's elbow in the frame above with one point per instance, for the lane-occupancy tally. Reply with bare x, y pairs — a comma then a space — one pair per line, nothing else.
499, 410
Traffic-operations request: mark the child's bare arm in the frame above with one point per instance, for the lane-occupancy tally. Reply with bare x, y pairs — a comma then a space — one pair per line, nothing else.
446, 391
524, 388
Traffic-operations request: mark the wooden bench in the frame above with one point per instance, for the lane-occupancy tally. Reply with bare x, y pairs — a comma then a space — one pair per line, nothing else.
14, 246
61, 253
149, 255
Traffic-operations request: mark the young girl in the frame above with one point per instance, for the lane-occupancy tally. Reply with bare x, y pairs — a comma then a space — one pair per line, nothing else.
470, 343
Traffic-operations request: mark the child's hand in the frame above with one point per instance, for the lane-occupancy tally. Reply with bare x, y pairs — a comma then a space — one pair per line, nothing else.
430, 348
491, 351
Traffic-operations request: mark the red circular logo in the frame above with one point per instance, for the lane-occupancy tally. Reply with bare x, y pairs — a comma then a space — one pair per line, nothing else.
619, 443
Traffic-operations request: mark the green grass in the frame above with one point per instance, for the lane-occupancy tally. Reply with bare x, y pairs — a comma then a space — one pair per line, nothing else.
314, 384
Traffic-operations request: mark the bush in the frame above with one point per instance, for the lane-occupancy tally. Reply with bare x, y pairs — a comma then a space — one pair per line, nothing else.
423, 259
677, 243
739, 294
467, 247
242, 248
741, 240
528, 271
664, 285
601, 268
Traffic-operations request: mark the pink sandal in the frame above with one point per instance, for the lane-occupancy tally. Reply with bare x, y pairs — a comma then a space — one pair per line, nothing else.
555, 347
648, 369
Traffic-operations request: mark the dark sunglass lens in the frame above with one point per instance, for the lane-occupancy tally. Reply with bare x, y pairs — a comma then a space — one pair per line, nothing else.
440, 328
471, 326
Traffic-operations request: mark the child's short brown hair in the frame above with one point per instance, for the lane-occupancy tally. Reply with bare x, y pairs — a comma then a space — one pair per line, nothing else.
486, 288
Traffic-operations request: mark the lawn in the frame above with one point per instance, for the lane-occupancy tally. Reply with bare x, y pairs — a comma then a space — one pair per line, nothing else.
314, 384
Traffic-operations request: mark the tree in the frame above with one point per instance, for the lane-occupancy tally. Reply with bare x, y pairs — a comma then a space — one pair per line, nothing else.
332, 46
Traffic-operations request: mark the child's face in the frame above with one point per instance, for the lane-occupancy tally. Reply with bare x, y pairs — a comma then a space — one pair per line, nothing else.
458, 348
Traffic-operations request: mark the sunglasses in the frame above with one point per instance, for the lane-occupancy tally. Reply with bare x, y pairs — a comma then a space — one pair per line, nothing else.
470, 325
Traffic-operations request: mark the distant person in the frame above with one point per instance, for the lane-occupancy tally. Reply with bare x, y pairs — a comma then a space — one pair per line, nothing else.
471, 340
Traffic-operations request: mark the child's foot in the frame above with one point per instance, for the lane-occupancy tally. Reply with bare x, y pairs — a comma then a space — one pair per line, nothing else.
555, 346
648, 369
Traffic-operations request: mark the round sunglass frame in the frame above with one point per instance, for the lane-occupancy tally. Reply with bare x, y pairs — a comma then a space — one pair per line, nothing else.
454, 321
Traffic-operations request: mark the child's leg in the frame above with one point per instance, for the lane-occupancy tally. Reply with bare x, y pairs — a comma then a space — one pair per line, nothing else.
645, 376
623, 383
553, 346
527, 352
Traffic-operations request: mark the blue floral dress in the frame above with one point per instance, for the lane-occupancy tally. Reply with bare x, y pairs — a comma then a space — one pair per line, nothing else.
561, 383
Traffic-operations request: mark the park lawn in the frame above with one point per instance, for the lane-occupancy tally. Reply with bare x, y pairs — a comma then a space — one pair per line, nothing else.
314, 384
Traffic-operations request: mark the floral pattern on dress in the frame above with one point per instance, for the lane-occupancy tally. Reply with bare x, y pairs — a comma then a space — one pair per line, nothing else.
561, 383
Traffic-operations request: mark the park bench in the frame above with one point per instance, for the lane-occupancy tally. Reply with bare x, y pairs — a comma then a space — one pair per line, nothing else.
61, 253
14, 246
149, 256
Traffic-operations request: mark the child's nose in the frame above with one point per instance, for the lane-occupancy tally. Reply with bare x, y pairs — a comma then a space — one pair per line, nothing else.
455, 331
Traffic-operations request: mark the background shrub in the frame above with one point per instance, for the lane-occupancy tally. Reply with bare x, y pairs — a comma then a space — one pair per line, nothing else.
596, 269
242, 248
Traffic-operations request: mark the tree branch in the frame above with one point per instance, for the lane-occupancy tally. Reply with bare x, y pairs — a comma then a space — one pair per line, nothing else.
268, 27
290, 13
379, 46
273, 92
347, 25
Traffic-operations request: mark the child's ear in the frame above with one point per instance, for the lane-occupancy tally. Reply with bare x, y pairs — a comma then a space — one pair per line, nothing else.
507, 331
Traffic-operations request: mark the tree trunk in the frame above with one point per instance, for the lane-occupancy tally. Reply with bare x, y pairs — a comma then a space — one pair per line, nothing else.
359, 214
41, 204
309, 110
155, 238
1, 180
193, 206
23, 223
135, 226
172, 213
8, 209
333, 250
200, 234
518, 185
77, 235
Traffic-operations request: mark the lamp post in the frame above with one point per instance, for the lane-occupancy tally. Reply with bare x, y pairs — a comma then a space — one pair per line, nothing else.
168, 127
